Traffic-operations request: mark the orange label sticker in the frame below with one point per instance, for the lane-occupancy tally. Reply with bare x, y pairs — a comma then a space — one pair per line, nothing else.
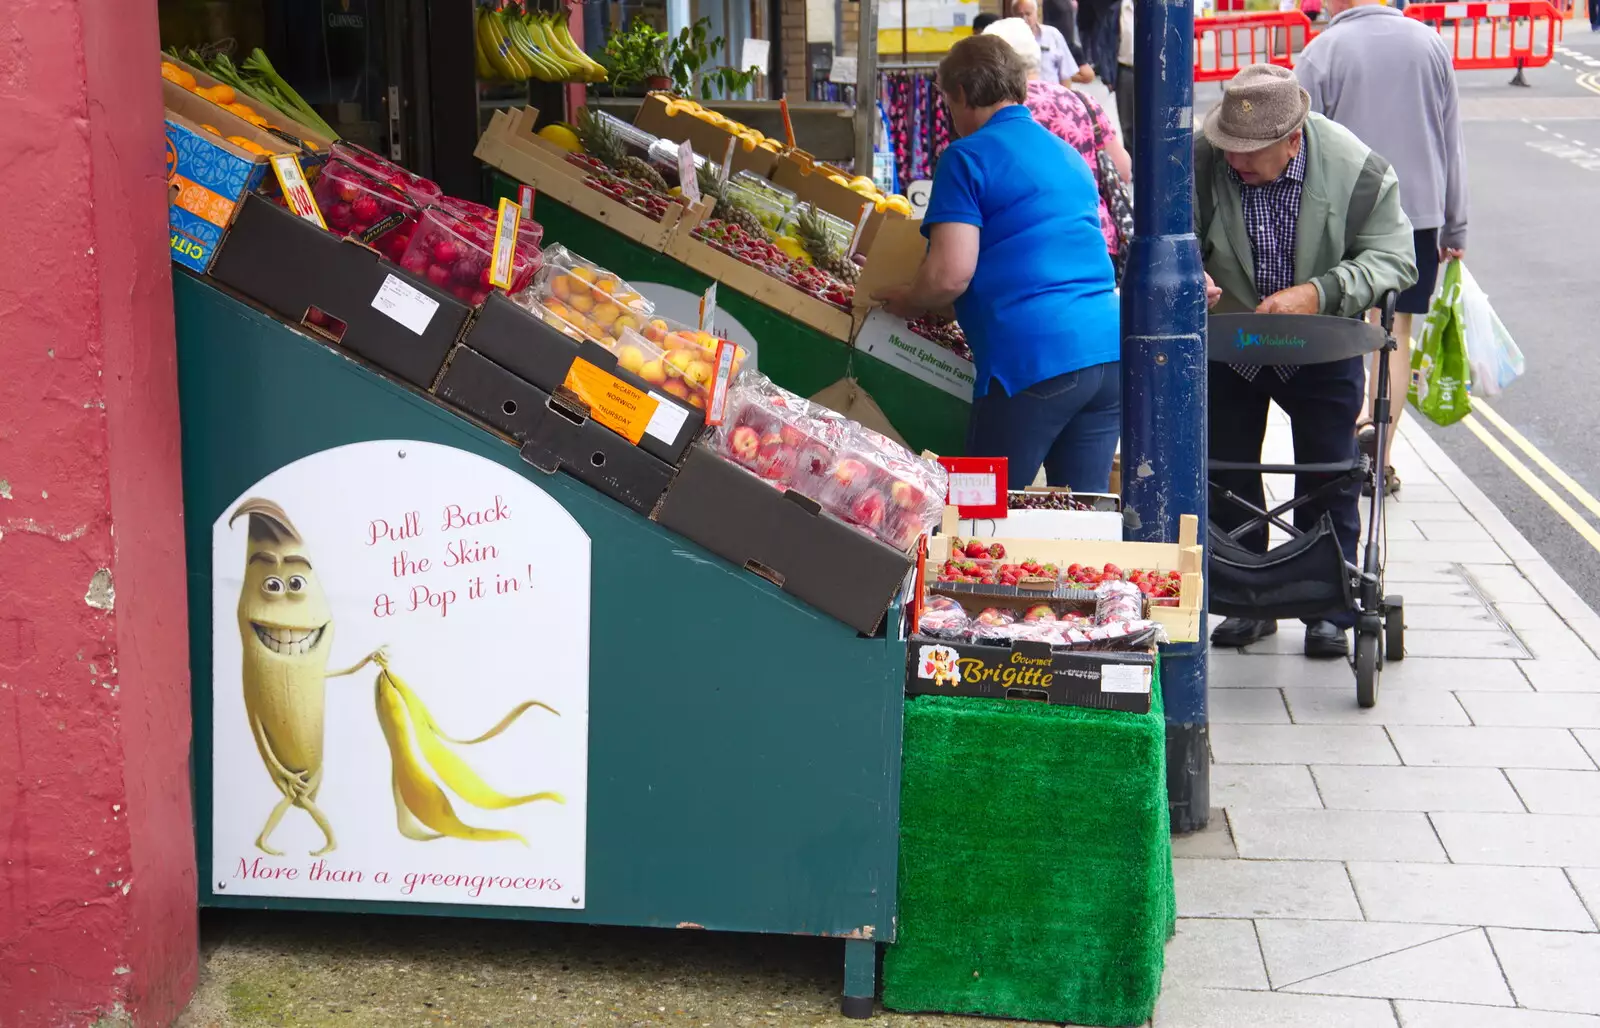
292, 178
612, 402
717, 408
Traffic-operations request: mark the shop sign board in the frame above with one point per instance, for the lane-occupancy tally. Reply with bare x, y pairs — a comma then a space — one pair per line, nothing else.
887, 338
425, 751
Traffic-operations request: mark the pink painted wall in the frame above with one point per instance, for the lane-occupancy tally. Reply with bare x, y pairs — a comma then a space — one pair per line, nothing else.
97, 886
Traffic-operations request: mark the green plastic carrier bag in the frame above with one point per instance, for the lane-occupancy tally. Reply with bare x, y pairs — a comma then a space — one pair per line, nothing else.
1439, 372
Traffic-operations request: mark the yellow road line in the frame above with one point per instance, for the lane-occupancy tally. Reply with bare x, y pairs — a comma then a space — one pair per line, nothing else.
1534, 482
1549, 467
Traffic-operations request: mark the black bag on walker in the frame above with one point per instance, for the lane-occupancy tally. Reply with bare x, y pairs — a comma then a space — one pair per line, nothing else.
1305, 577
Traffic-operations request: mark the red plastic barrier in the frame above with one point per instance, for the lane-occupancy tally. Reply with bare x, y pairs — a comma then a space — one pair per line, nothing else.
1512, 34
1228, 42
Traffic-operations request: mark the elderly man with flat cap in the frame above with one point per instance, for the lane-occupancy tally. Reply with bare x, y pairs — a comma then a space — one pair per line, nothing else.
1295, 215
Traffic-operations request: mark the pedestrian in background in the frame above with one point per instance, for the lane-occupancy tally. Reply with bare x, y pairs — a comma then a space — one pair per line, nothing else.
1069, 115
1295, 215
1063, 15
1056, 65
1390, 80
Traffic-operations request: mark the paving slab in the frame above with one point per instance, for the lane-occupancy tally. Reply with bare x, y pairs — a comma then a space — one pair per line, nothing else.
1460, 967
1396, 707
1219, 1008
1551, 970
1422, 789
1264, 889
1301, 744
1263, 785
1414, 1014
1508, 897
1520, 840
1335, 835
1533, 710
1424, 745
1223, 953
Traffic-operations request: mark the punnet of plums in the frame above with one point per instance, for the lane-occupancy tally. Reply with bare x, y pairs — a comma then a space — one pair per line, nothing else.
855, 474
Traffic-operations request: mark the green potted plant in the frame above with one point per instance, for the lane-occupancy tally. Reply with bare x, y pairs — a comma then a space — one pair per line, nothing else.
692, 50
638, 57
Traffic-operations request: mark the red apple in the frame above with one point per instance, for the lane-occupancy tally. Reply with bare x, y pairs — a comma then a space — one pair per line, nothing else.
744, 444
868, 509
848, 470
905, 495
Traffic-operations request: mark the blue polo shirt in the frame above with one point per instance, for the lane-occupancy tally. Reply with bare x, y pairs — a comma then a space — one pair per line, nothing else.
1042, 301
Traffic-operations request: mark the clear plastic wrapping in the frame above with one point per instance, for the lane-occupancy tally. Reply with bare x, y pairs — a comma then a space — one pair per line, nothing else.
1117, 601
586, 301
353, 203
453, 253
422, 191
854, 473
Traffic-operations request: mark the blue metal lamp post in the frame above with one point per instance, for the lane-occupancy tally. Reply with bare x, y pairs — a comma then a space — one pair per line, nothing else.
1164, 365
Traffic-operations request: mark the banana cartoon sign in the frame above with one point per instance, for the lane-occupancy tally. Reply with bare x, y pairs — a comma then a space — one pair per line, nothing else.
421, 752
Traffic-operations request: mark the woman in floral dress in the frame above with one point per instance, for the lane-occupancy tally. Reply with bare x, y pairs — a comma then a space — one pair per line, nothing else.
1067, 114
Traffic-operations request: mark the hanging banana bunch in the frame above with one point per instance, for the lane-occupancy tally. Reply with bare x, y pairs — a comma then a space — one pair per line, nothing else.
422, 808
515, 45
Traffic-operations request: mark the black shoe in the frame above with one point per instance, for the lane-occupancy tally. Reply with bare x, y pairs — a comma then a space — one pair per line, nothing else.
1242, 631
1324, 639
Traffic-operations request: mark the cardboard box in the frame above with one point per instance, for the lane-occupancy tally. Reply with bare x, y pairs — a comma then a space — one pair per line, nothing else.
1030, 671
403, 324
808, 180
734, 274
1103, 521
708, 140
895, 249
289, 129
522, 342
1182, 622
556, 433
785, 538
207, 178
880, 334
511, 145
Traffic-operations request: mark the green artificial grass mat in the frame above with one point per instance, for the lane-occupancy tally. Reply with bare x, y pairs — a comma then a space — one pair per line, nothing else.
1035, 862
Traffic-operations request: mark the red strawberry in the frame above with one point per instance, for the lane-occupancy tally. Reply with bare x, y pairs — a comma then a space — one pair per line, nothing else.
1111, 571
996, 551
977, 550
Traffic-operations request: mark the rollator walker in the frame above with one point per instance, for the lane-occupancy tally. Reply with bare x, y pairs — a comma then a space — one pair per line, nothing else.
1308, 576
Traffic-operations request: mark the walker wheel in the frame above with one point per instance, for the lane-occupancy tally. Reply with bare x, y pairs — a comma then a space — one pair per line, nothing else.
1394, 628
1367, 668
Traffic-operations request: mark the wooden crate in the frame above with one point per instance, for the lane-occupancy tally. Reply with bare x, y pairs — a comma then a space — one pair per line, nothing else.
511, 145
1181, 622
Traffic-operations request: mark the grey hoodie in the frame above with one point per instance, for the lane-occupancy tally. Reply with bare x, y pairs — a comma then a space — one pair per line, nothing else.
1389, 79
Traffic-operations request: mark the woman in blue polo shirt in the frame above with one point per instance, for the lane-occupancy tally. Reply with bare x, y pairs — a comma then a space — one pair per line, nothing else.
1013, 228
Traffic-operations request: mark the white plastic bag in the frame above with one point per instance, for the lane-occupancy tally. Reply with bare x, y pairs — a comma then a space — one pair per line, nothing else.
1492, 355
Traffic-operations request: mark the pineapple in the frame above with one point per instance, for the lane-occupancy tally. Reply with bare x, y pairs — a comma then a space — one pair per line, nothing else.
712, 184
813, 235
601, 142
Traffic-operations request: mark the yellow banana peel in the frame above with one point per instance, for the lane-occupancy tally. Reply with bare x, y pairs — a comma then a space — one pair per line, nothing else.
421, 805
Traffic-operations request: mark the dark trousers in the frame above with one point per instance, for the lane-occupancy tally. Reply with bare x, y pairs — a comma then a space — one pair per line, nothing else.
1322, 401
1124, 91
1069, 424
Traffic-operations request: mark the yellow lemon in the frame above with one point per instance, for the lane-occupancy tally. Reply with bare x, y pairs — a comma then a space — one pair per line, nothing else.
561, 136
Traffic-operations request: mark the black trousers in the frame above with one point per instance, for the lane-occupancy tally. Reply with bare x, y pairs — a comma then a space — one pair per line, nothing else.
1322, 401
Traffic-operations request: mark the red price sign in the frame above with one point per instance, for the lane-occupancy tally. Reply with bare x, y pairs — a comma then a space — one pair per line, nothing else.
977, 485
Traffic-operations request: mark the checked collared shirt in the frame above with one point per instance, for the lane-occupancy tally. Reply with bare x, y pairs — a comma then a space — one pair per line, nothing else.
1271, 218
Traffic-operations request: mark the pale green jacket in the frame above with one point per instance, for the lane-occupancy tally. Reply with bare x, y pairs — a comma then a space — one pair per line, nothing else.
1350, 275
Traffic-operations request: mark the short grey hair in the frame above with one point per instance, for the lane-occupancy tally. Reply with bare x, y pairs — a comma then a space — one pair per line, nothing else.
1015, 33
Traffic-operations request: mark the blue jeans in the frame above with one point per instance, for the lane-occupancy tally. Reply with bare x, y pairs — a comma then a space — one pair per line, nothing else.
1069, 424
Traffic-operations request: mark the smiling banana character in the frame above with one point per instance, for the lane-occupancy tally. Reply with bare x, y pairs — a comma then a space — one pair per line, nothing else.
286, 629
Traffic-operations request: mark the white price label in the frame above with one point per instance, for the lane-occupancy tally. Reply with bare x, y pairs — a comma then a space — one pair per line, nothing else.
974, 490
410, 307
668, 419
754, 54
686, 177
918, 193
1125, 678
843, 70
708, 308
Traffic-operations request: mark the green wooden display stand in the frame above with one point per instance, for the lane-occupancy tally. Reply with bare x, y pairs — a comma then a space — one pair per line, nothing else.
1035, 862
745, 778
794, 355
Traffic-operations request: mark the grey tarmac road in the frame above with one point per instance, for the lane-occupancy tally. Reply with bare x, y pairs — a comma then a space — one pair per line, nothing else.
1533, 157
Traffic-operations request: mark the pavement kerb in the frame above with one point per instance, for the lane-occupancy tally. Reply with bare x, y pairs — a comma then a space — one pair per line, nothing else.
1578, 615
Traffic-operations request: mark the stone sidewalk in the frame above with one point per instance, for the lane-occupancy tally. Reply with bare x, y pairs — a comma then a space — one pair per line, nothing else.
1433, 862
